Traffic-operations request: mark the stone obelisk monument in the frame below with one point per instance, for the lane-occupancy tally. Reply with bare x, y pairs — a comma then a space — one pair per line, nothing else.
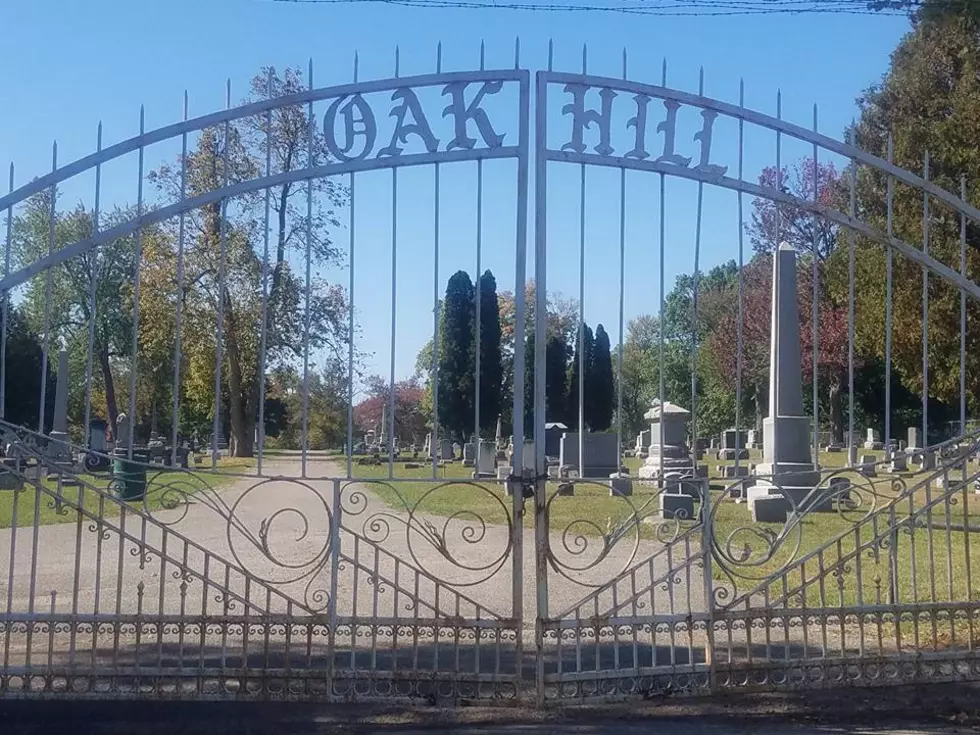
786, 470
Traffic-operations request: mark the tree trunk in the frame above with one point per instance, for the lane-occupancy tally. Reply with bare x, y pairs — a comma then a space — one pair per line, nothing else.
110, 386
240, 442
837, 409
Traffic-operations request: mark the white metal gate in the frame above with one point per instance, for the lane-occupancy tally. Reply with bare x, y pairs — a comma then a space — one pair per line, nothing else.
342, 579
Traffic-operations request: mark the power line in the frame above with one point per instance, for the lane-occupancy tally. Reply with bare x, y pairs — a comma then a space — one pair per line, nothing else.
675, 8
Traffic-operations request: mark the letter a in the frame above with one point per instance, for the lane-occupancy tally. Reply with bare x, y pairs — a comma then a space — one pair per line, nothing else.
419, 126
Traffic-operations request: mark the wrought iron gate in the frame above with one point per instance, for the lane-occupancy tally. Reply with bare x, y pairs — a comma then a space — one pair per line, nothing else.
345, 578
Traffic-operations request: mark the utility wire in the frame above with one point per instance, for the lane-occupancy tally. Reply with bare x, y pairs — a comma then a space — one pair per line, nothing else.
651, 7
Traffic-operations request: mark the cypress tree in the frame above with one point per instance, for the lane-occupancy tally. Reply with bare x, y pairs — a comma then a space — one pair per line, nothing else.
456, 356
571, 413
491, 360
599, 395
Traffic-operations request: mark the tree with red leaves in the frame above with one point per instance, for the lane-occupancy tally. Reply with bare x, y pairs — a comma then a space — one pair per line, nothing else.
410, 419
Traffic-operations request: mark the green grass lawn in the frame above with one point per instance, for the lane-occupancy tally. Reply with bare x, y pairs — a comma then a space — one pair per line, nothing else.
48, 510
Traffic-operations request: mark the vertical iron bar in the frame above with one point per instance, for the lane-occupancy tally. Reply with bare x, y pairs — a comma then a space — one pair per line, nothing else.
180, 297
963, 315
622, 297
695, 283
815, 306
739, 337
774, 380
6, 303
434, 440
520, 284
477, 349
134, 370
540, 335
264, 329
219, 343
888, 307
851, 450
350, 319
93, 271
394, 301
47, 294
925, 320
660, 327
309, 286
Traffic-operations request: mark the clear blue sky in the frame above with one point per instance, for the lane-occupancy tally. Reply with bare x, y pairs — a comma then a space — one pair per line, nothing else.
69, 65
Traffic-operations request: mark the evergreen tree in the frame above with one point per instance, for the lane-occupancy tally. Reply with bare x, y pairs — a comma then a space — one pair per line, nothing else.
556, 373
599, 395
23, 389
585, 356
529, 384
491, 359
456, 356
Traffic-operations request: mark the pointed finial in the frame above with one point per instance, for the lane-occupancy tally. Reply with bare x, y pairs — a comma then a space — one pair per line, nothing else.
624, 63
925, 166
517, 52
397, 60
814, 117
891, 146
142, 119
228, 92
483, 54
268, 82
356, 63
54, 155
663, 73
310, 72
98, 136
551, 54
741, 92
779, 104
185, 104
11, 176
585, 58
852, 133
439, 57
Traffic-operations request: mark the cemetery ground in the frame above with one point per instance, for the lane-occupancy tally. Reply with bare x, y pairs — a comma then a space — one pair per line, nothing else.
48, 512
817, 564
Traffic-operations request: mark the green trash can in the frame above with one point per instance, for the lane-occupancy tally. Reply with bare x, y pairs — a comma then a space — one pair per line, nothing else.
129, 476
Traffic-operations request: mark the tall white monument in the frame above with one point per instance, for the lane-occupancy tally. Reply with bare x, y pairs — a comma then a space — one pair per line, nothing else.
786, 431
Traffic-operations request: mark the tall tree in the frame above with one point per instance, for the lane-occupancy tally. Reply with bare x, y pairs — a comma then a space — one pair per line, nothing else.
491, 359
600, 398
22, 391
556, 374
582, 356
456, 347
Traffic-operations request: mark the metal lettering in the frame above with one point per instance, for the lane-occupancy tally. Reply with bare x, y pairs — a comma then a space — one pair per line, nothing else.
669, 128
704, 136
639, 122
463, 113
583, 118
419, 126
364, 119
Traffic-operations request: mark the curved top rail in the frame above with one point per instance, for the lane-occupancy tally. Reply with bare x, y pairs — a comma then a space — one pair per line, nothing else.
253, 108
766, 121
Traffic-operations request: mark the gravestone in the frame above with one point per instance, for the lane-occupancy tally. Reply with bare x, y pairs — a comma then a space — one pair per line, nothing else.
786, 431
121, 434
427, 447
730, 471
498, 436
469, 454
913, 444
601, 454
867, 465
446, 450
528, 459
58, 450
898, 463
642, 445
733, 445
620, 484
752, 440
873, 440
95, 459
486, 460
553, 433
668, 442
679, 506
504, 472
